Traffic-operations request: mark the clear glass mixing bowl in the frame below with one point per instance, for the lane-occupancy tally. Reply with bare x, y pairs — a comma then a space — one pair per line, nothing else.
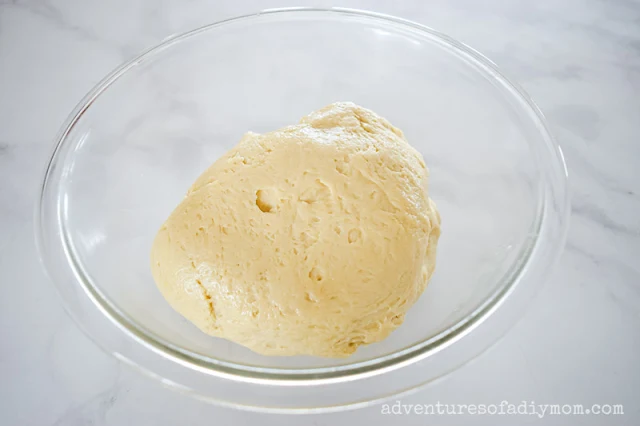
129, 151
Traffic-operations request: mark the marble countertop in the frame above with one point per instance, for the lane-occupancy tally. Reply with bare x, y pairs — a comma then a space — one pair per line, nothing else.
578, 344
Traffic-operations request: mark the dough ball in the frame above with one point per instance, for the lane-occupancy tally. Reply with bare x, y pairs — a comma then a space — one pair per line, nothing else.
313, 239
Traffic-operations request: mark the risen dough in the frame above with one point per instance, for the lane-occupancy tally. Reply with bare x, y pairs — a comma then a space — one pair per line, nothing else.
312, 239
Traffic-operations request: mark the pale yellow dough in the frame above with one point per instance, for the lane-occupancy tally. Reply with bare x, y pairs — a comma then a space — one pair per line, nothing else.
312, 239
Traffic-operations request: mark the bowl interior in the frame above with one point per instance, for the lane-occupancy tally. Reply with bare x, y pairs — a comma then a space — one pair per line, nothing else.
134, 152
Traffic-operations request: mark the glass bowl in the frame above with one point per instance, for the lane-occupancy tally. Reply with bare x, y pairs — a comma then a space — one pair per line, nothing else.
129, 151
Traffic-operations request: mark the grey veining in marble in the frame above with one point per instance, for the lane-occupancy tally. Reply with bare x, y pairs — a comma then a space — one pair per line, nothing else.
578, 343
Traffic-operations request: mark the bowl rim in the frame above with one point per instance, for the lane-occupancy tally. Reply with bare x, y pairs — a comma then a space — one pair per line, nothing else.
301, 376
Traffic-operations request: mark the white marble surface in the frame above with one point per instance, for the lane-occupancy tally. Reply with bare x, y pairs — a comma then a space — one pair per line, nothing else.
580, 341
